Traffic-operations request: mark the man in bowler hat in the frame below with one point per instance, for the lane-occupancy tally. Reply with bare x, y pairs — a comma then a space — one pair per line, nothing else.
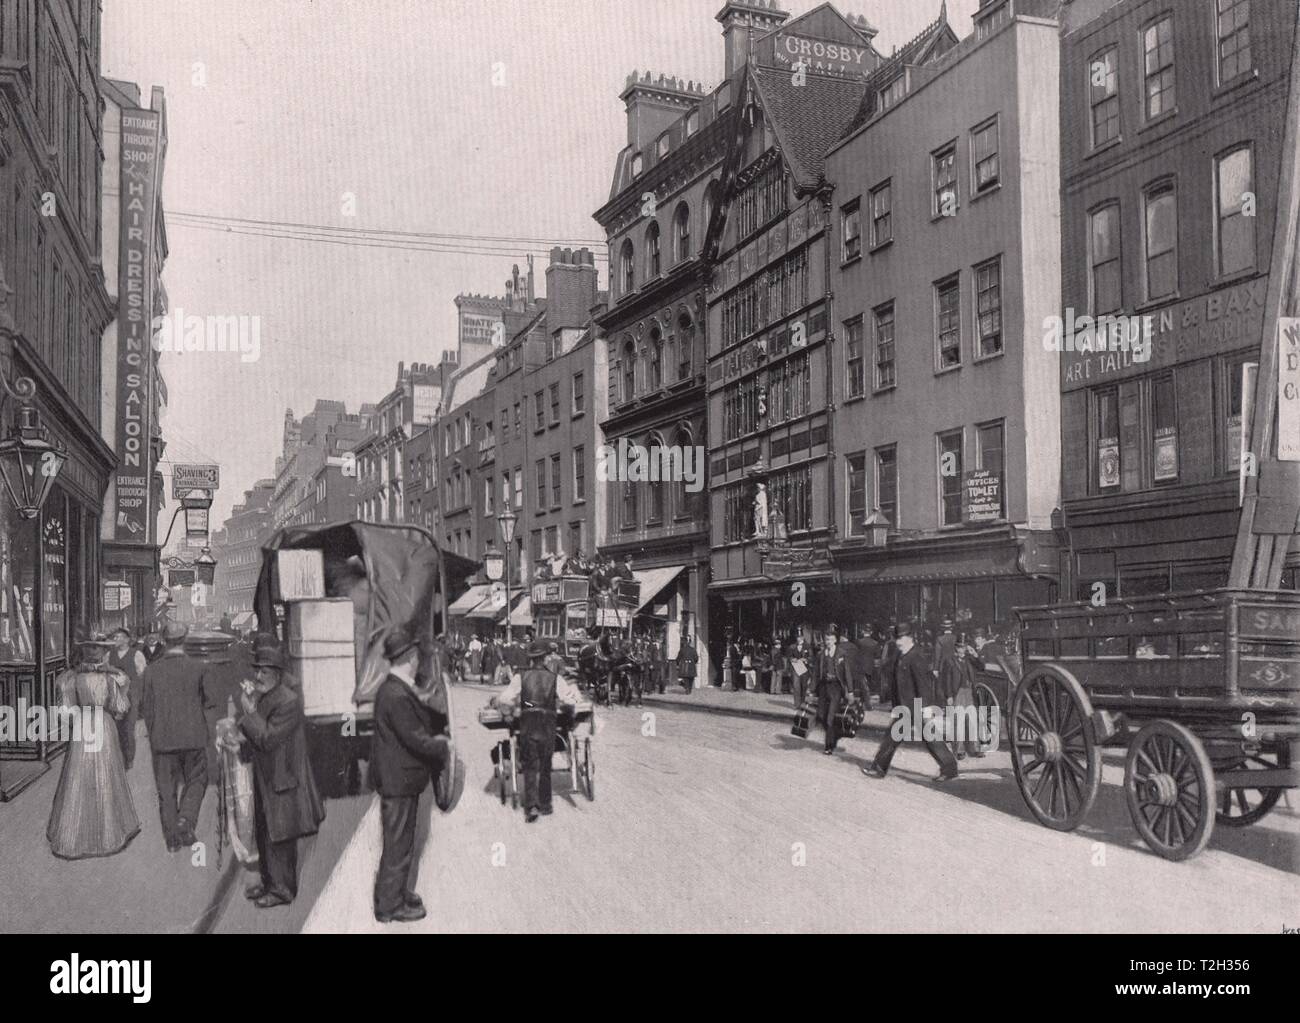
286, 803
406, 752
834, 685
913, 684
537, 691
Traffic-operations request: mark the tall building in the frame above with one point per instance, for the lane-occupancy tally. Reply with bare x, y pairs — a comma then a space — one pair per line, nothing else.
54, 306
380, 457
944, 457
133, 259
771, 335
1171, 150
239, 557
663, 194
323, 439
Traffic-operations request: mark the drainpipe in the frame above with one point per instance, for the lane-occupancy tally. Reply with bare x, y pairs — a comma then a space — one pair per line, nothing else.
828, 239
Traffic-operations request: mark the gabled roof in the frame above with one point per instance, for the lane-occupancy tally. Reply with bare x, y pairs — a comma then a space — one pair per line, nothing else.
808, 119
933, 40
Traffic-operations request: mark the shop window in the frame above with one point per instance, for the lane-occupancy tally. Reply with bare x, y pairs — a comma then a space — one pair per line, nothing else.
1161, 241
54, 560
18, 596
1235, 223
1158, 65
1164, 429
1106, 418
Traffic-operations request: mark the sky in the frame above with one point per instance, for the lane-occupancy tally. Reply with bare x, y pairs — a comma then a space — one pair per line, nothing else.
480, 118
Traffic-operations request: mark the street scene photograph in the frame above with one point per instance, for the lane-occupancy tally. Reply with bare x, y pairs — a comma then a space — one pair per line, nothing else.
584, 467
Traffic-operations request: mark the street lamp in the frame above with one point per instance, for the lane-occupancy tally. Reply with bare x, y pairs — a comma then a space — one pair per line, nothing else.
494, 563
507, 519
205, 567
28, 462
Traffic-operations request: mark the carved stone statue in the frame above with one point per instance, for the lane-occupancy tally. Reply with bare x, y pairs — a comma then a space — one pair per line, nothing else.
760, 511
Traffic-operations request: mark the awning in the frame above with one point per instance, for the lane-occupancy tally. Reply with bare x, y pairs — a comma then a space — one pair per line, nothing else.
653, 581
487, 608
470, 599
522, 614
242, 620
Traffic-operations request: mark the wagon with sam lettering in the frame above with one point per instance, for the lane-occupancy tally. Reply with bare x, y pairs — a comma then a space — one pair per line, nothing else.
1202, 688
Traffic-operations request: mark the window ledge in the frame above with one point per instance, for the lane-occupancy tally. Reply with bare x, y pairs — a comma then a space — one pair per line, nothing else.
1156, 303
991, 356
884, 390
1235, 278
578, 414
881, 246
935, 218
940, 371
1105, 146
1242, 80
850, 399
1158, 121
985, 192
845, 263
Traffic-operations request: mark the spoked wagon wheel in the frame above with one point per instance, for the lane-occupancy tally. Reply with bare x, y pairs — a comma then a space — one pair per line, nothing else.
1239, 808
588, 770
1057, 764
1169, 784
989, 718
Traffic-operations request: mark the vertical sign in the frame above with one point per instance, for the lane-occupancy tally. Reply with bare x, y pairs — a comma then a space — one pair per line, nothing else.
1288, 389
139, 191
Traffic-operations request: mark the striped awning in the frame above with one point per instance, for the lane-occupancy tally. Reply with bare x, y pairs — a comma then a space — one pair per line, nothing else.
469, 600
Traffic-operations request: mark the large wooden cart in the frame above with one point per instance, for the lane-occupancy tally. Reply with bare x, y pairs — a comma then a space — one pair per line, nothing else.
1203, 688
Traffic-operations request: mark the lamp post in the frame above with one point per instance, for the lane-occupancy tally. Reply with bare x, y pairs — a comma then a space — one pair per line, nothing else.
507, 519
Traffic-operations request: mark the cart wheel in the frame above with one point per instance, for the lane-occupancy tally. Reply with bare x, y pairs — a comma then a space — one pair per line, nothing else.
588, 770
1056, 762
1239, 808
989, 715
1169, 785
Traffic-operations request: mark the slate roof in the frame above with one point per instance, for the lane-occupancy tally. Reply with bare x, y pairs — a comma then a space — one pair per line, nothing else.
912, 52
808, 119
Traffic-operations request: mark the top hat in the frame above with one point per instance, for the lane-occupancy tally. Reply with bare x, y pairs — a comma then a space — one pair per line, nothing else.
397, 643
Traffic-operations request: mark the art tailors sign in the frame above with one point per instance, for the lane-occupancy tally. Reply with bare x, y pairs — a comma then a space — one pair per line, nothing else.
139, 188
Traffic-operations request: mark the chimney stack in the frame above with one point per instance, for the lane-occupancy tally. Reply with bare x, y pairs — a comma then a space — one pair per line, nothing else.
570, 288
744, 21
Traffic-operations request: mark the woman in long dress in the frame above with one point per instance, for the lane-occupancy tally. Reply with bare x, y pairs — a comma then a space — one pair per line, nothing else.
93, 813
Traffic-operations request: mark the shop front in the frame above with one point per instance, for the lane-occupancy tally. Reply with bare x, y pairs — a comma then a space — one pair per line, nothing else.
49, 591
973, 578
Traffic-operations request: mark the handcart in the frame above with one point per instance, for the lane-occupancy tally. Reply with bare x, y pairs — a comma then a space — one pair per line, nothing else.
574, 731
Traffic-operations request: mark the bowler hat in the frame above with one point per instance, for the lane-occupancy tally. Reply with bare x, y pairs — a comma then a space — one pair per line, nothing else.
175, 632
538, 649
268, 655
946, 624
397, 643
121, 630
903, 629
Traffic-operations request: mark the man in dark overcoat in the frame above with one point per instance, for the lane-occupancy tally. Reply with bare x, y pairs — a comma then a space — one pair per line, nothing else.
916, 697
172, 702
407, 750
834, 685
286, 803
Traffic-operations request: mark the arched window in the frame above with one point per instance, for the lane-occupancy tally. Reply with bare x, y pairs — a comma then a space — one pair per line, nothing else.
652, 251
685, 347
627, 268
710, 204
681, 233
655, 361
629, 370
683, 442
655, 488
